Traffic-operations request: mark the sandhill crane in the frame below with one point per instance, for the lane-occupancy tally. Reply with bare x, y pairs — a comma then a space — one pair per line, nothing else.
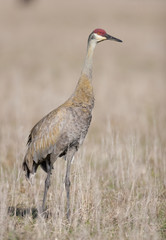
62, 131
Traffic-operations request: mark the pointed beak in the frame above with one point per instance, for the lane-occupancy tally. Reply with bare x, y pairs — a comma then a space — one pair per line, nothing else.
108, 37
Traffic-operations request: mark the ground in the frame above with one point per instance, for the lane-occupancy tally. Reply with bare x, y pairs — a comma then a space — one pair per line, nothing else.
118, 177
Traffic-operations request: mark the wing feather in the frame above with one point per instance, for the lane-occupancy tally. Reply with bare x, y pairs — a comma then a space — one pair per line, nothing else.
44, 135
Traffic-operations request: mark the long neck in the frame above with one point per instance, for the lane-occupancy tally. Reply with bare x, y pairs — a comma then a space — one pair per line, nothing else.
83, 93
87, 68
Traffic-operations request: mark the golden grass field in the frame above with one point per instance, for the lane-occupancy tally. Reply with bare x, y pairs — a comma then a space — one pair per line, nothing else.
118, 178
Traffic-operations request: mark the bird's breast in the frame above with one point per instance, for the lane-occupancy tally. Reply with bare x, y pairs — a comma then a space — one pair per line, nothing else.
79, 123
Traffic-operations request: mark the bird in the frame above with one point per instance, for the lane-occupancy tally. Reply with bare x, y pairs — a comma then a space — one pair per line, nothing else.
62, 131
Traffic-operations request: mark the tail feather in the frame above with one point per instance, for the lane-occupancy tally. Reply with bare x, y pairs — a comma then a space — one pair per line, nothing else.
29, 166
26, 169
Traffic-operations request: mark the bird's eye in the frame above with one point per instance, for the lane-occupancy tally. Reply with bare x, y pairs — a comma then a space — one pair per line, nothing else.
101, 34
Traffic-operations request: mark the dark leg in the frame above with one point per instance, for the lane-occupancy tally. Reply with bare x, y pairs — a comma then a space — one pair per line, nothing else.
47, 183
69, 157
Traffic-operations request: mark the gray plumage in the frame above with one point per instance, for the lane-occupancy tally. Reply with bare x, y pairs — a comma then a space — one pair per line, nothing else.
62, 131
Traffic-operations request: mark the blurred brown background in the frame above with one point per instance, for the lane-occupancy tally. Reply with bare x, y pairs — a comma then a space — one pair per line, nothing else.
42, 49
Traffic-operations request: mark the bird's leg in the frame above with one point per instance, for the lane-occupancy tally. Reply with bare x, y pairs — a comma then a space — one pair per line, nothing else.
47, 183
70, 155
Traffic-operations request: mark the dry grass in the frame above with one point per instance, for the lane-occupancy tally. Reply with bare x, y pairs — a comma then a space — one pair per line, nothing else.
119, 174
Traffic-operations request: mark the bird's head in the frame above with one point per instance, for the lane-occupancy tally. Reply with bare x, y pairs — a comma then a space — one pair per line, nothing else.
99, 35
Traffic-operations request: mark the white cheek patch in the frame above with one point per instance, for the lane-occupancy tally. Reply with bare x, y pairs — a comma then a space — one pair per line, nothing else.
99, 37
